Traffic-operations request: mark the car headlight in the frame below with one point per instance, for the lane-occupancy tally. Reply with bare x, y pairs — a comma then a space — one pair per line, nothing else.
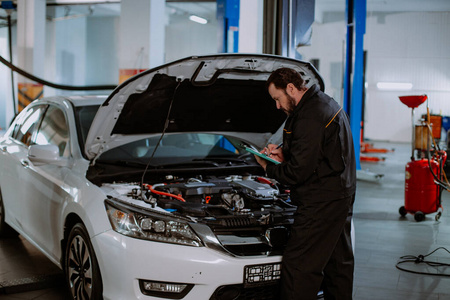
143, 225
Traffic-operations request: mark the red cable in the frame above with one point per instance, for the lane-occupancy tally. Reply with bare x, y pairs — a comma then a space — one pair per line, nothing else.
264, 180
164, 193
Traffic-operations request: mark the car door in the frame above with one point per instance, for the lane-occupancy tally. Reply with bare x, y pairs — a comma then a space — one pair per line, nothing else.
46, 190
13, 161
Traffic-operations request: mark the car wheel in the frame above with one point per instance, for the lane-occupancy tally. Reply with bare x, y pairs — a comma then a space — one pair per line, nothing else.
419, 216
402, 211
81, 266
5, 229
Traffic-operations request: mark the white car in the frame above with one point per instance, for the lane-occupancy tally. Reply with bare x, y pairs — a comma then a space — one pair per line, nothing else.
148, 193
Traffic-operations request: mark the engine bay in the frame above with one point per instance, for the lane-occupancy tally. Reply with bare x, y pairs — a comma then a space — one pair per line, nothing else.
231, 201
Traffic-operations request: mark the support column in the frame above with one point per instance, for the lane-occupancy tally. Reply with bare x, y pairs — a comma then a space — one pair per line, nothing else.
228, 25
251, 26
30, 48
354, 89
358, 76
287, 26
142, 36
302, 13
348, 56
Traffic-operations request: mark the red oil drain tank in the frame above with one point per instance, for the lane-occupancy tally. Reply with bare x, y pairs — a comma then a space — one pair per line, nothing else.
421, 192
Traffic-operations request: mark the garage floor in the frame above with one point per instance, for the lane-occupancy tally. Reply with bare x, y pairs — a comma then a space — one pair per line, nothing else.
382, 237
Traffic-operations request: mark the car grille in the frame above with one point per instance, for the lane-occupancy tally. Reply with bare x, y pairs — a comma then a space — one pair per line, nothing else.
249, 250
237, 222
253, 241
238, 292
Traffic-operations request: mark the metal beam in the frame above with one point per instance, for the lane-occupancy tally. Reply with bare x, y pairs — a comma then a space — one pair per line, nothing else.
287, 25
228, 20
354, 89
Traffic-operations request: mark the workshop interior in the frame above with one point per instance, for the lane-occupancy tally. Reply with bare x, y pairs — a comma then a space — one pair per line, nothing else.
127, 89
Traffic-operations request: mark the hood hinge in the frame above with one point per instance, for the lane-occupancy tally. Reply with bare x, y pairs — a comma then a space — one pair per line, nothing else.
99, 152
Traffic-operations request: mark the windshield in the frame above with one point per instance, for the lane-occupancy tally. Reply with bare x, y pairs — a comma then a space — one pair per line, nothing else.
84, 115
175, 149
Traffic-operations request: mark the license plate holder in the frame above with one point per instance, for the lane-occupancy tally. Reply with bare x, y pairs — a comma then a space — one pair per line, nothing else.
262, 274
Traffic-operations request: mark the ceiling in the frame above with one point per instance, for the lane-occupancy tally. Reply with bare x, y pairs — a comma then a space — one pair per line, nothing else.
388, 6
207, 8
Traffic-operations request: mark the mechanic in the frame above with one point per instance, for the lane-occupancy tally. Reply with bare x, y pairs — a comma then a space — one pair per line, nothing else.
318, 163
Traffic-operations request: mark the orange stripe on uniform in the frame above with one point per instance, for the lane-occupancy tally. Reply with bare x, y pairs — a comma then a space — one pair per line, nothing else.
333, 117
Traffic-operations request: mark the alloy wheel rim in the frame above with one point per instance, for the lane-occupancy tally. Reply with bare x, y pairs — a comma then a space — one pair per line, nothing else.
80, 269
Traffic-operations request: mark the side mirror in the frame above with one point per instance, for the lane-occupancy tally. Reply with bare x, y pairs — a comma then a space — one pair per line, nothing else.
46, 154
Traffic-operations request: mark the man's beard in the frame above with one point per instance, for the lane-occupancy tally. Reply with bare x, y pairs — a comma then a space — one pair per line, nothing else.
291, 105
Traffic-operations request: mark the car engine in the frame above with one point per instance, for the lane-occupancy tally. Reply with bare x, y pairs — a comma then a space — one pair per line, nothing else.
234, 207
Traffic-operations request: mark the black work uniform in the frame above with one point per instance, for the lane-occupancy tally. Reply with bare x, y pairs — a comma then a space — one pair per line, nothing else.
319, 166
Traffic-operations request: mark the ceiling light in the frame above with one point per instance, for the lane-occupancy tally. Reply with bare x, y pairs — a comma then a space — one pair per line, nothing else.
394, 86
198, 19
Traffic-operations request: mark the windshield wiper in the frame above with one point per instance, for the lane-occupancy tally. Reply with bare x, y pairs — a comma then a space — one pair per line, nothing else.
126, 163
221, 159
188, 164
212, 162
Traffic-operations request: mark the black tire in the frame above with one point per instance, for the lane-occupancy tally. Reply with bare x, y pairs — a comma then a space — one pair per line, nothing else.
81, 267
402, 211
419, 216
5, 229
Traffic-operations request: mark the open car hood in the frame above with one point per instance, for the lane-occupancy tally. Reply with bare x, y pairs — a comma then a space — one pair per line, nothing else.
222, 93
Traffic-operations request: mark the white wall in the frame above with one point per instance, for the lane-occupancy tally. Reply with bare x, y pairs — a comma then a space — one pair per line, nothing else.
403, 47
251, 26
70, 51
328, 45
141, 33
102, 61
408, 47
6, 98
50, 62
6, 108
81, 51
185, 38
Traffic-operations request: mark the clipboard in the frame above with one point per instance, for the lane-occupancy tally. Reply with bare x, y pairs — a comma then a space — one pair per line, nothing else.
256, 152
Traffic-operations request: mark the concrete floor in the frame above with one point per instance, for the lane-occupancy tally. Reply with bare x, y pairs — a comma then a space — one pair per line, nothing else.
382, 237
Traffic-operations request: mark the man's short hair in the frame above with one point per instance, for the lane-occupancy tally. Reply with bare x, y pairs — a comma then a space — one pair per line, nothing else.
283, 76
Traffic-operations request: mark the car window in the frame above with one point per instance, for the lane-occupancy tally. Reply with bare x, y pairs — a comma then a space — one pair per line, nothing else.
54, 130
27, 124
174, 148
84, 115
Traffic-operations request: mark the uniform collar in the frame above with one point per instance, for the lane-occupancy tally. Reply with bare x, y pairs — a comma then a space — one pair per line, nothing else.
306, 96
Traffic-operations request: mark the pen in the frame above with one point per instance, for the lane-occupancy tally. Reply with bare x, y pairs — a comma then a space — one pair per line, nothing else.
278, 147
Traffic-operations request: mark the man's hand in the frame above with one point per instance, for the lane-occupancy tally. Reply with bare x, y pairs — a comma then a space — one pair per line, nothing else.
261, 161
275, 152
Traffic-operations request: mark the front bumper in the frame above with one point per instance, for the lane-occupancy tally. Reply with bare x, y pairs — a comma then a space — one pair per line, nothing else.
124, 261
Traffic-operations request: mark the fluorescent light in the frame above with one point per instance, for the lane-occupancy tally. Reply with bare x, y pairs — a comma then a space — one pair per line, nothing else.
198, 19
394, 86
